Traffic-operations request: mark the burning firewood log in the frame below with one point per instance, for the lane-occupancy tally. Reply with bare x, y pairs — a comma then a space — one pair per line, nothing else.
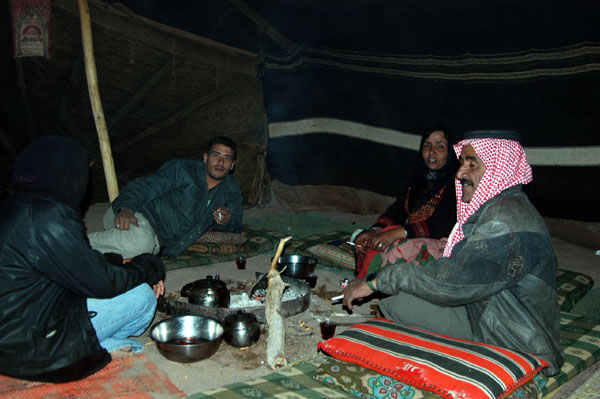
275, 340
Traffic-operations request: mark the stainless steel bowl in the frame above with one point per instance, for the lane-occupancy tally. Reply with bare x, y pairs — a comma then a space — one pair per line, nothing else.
296, 266
187, 339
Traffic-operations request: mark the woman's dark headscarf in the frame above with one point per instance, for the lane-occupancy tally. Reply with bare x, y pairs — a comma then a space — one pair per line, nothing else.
54, 166
422, 172
427, 182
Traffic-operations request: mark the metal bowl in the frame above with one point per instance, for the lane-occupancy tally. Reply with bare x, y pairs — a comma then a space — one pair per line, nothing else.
296, 266
187, 339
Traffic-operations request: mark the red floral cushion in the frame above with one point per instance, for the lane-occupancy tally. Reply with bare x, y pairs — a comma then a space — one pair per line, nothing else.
450, 367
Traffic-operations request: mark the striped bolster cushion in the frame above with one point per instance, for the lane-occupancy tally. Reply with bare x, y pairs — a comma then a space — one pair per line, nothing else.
450, 367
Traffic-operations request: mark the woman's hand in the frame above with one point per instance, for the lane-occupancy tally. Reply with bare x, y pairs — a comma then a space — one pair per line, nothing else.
381, 241
362, 241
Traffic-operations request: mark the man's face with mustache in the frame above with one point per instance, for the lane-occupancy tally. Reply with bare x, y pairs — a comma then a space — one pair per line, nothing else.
219, 162
470, 172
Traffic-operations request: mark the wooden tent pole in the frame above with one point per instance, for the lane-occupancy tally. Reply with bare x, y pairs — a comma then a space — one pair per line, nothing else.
92, 80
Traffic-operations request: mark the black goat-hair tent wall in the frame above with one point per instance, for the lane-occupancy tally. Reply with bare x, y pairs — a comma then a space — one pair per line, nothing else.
348, 87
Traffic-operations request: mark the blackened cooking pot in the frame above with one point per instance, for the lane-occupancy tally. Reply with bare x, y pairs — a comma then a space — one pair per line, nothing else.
296, 266
211, 292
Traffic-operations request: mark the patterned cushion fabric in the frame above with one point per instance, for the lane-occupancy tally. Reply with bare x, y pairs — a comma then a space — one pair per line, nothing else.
571, 286
218, 242
334, 254
452, 368
221, 237
258, 242
368, 384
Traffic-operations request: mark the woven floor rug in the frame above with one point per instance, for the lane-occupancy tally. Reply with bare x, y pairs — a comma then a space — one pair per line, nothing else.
589, 305
294, 382
585, 385
131, 376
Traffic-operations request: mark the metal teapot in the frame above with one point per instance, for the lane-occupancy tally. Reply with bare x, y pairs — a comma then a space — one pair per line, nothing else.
211, 292
241, 329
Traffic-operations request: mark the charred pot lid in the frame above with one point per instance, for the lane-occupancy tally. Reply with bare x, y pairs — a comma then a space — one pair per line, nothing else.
207, 283
207, 292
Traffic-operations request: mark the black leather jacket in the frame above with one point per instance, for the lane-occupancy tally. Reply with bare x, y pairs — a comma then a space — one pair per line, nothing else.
47, 270
503, 271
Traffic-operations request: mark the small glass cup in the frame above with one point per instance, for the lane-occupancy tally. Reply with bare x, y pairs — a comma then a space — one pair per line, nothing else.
240, 261
327, 329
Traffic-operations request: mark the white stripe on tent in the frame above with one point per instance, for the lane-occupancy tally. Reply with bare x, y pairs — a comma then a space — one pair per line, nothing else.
538, 156
345, 128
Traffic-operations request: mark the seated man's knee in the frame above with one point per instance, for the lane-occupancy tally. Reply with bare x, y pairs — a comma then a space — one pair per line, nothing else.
144, 298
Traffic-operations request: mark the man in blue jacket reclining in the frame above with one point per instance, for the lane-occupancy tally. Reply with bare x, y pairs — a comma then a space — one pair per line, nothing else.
172, 208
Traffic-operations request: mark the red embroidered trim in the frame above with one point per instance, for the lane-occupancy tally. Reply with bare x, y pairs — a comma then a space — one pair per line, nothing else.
426, 210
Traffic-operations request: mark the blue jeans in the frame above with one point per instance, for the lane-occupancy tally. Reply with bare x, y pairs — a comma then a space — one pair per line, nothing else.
123, 316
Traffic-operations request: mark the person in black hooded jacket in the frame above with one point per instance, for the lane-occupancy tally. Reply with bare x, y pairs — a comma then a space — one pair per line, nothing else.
64, 306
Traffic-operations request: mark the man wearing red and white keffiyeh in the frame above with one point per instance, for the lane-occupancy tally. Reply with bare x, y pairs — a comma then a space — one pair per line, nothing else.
505, 166
496, 282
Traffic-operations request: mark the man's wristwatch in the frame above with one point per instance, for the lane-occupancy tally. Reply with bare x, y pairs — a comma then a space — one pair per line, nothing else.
370, 284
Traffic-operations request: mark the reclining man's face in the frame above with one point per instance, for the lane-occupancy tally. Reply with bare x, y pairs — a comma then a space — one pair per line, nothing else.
470, 172
219, 161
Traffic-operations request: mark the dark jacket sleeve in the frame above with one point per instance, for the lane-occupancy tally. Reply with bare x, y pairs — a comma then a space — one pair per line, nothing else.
142, 190
477, 269
73, 264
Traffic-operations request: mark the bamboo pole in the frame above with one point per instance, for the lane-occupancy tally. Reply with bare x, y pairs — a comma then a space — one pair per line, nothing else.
92, 80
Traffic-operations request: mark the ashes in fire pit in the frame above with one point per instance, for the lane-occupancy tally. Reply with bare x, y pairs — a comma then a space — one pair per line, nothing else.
244, 301
296, 299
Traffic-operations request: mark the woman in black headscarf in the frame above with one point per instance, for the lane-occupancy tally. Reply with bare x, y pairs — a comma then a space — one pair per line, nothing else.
427, 209
49, 274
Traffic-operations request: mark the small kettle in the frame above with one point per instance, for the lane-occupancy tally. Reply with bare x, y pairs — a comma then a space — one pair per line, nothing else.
211, 292
241, 329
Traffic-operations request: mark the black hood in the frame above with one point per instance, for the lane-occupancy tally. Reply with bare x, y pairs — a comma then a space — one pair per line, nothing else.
55, 165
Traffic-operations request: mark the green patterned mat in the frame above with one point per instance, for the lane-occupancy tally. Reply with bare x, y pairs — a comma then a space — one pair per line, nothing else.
301, 224
294, 382
589, 305
259, 242
264, 232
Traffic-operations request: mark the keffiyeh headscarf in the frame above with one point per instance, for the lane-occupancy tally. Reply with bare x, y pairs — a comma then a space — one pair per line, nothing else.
506, 166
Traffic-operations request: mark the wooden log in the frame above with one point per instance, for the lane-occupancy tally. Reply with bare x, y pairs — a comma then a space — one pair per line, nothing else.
92, 80
276, 338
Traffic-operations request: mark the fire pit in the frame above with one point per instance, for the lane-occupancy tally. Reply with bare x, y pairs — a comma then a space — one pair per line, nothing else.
291, 305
